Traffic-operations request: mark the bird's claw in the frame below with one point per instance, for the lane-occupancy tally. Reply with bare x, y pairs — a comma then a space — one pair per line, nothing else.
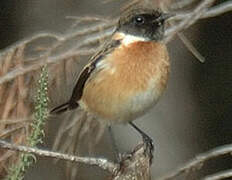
149, 146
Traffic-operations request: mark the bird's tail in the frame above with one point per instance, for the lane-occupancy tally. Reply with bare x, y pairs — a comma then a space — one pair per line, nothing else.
63, 107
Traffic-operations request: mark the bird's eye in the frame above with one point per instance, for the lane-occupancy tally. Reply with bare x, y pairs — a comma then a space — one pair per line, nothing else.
139, 20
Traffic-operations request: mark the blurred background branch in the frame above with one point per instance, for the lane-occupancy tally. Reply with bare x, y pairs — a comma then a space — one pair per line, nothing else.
63, 52
199, 161
220, 175
96, 33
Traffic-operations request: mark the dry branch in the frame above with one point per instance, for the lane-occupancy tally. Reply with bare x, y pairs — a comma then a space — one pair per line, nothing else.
220, 175
198, 161
186, 20
102, 163
133, 166
211, 12
18, 72
189, 20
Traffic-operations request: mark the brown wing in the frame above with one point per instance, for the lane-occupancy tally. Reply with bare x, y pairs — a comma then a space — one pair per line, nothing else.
83, 77
85, 74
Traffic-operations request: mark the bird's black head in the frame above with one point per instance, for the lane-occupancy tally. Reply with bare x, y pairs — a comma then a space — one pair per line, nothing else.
145, 23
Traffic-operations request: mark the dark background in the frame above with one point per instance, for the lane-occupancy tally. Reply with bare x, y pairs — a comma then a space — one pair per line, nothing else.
195, 113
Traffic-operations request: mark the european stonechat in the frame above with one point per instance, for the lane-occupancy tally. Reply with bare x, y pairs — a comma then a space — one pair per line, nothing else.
128, 75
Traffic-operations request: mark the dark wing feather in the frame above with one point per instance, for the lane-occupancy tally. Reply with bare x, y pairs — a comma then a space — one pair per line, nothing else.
61, 108
85, 74
83, 77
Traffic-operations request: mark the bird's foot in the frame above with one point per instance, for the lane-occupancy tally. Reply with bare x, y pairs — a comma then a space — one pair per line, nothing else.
149, 146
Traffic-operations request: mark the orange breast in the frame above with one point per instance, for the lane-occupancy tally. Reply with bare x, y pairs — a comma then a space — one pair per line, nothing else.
133, 79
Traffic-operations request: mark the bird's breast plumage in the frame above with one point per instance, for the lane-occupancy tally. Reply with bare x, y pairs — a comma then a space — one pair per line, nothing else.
127, 82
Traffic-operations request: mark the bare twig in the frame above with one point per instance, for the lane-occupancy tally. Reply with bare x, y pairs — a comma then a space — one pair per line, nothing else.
86, 41
102, 163
189, 20
54, 59
211, 12
198, 161
201, 11
220, 175
88, 18
190, 47
220, 9
8, 132
79, 130
135, 165
30, 39
181, 4
133, 161
14, 121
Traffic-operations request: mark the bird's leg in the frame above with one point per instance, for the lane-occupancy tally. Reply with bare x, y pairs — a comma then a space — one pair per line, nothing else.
116, 151
146, 139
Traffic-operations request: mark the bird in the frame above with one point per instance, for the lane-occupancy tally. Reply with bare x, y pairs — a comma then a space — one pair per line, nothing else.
128, 75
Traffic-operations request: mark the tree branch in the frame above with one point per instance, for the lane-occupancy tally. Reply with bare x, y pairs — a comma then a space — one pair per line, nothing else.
135, 165
90, 35
99, 162
211, 12
186, 20
198, 161
218, 10
181, 4
220, 175
189, 20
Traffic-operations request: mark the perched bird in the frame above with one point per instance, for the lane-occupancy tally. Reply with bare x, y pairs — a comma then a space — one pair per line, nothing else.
128, 75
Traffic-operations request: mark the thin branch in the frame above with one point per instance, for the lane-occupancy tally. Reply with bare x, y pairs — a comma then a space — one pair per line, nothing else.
102, 163
87, 18
191, 48
55, 59
135, 165
6, 132
211, 12
220, 175
188, 20
218, 10
14, 121
182, 3
92, 35
30, 39
198, 161
26, 69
